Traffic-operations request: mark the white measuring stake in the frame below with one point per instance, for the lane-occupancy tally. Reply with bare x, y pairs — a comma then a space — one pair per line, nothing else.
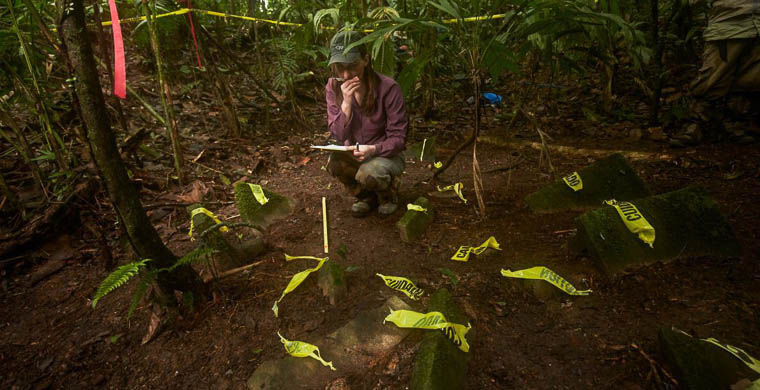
324, 222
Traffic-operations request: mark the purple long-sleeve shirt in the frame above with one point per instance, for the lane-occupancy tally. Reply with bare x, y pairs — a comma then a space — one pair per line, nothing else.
385, 127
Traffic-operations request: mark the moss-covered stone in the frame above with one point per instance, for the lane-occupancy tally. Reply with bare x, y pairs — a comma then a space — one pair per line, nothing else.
701, 365
414, 151
332, 281
439, 364
609, 178
687, 223
228, 255
414, 223
278, 206
358, 344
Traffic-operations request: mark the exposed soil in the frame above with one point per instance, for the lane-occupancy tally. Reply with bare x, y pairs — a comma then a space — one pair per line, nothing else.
52, 338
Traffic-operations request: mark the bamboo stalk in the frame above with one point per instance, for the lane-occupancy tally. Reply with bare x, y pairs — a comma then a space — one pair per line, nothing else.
57, 143
23, 148
163, 87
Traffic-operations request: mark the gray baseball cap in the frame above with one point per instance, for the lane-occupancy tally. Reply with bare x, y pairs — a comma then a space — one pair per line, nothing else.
338, 45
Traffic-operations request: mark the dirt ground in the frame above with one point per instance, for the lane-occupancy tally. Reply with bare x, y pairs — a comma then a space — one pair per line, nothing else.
52, 338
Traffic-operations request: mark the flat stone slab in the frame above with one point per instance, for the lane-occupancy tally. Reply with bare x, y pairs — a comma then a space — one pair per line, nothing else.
277, 208
609, 178
699, 364
687, 223
439, 364
350, 348
414, 223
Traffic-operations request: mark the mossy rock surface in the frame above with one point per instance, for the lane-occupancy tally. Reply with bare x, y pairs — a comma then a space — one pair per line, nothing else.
700, 365
352, 348
228, 255
687, 223
439, 363
414, 223
332, 281
277, 208
609, 178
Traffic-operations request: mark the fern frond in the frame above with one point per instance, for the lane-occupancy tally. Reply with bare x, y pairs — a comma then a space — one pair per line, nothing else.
142, 288
191, 257
117, 279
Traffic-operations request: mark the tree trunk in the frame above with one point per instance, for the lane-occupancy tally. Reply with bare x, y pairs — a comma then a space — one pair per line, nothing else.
135, 223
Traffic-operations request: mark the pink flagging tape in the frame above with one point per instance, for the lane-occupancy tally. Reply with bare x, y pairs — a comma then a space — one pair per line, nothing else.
120, 71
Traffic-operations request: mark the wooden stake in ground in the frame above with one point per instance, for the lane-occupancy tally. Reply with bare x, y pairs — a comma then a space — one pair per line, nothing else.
324, 222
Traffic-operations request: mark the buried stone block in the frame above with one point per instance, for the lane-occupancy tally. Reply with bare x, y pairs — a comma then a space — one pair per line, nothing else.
414, 223
229, 254
277, 207
352, 348
608, 178
687, 223
439, 363
332, 281
699, 364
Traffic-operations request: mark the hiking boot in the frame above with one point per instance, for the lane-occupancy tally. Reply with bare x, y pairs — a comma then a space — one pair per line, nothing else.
388, 199
363, 206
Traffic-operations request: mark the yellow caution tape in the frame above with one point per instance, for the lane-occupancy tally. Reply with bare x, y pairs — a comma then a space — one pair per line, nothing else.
457, 187
415, 207
438, 165
258, 193
402, 284
183, 11
211, 215
302, 349
298, 278
547, 275
432, 320
574, 181
751, 362
463, 253
634, 221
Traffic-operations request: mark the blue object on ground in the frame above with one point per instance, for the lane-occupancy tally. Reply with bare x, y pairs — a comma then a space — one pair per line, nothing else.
492, 98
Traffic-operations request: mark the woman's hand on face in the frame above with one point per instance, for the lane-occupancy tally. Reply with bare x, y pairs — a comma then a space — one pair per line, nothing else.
349, 87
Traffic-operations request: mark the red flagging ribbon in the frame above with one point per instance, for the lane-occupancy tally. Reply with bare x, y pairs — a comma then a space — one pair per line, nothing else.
192, 29
120, 71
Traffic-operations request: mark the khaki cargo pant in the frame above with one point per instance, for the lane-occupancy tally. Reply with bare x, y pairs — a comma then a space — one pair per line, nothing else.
736, 70
361, 178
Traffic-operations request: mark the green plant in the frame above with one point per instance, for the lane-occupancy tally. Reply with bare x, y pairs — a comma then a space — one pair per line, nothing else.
126, 272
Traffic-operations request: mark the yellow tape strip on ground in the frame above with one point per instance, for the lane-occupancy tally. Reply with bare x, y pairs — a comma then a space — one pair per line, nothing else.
543, 273
463, 253
211, 215
298, 278
634, 221
574, 181
302, 349
402, 284
415, 207
457, 187
432, 320
751, 362
258, 193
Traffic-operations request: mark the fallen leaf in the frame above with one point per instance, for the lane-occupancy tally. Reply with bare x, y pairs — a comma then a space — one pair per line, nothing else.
155, 322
